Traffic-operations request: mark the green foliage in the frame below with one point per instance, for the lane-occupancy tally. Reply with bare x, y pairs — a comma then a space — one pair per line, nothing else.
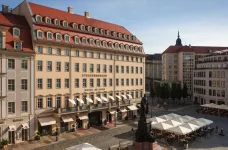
4, 142
165, 91
179, 91
152, 92
174, 91
158, 90
185, 91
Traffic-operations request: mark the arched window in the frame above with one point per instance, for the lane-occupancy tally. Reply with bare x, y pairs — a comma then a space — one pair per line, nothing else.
129, 37
114, 33
66, 38
39, 34
133, 37
48, 20
16, 32
82, 27
110, 44
116, 45
131, 47
119, 35
127, 47
0, 39
65, 24
95, 30
108, 32
91, 41
89, 29
49, 35
122, 47
98, 43
58, 37
125, 36
75, 26
57, 22
104, 44
76, 40
102, 31
38, 18
83, 40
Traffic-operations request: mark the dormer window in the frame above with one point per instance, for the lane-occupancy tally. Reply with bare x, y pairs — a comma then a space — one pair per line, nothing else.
110, 44
1, 39
104, 44
95, 30
98, 43
131, 47
58, 37
48, 20
122, 47
67, 38
116, 45
108, 32
102, 31
17, 45
134, 38
49, 35
57, 22
125, 36
39, 34
127, 47
114, 34
91, 41
83, 40
76, 40
82, 27
136, 48
89, 29
65, 24
16, 32
38, 18
119, 35
129, 37
75, 26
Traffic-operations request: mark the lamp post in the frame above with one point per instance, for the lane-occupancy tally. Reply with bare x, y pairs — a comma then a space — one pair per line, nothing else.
115, 119
57, 132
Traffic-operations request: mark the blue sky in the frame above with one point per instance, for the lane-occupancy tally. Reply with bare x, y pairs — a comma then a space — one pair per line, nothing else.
156, 22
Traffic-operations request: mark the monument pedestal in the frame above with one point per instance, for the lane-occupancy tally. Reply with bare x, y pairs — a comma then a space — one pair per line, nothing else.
145, 146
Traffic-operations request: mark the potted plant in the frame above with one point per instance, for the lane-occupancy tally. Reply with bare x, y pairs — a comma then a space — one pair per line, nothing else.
185, 142
73, 128
4, 143
38, 136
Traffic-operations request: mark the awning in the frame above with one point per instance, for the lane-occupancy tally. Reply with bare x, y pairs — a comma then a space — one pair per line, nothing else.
98, 99
104, 98
67, 119
112, 112
83, 117
118, 97
12, 128
123, 110
72, 101
81, 101
124, 96
89, 99
47, 121
112, 97
132, 107
129, 96
25, 126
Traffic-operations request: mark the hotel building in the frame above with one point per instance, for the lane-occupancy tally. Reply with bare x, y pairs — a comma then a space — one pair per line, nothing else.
153, 69
87, 71
16, 78
210, 79
178, 62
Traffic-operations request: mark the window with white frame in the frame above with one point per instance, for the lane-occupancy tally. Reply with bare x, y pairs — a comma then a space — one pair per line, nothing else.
108, 32
65, 24
122, 82
38, 18
104, 44
76, 40
76, 83
24, 106
49, 65
40, 83
58, 51
125, 36
39, 34
48, 20
49, 51
110, 68
40, 103
77, 53
117, 82
98, 43
119, 35
49, 83
96, 30
116, 45
67, 52
24, 64
82, 27
84, 68
75, 26
105, 56
110, 56
84, 83
67, 38
83, 40
84, 54
91, 55
39, 49
89, 29
11, 107
122, 47
24, 84
114, 34
16, 32
98, 82
91, 68
58, 83
98, 55
105, 68
58, 37
67, 67
11, 63
67, 83
122, 58
91, 83
18, 45
101, 31
98, 68
127, 47
76, 67
91, 42
49, 102
57, 22
49, 35
11, 85
104, 82
39, 65
110, 82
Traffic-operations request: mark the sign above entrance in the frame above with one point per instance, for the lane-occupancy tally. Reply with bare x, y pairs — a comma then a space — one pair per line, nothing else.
98, 89
94, 75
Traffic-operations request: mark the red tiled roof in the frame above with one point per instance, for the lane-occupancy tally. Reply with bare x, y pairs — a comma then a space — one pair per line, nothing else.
63, 15
196, 49
8, 21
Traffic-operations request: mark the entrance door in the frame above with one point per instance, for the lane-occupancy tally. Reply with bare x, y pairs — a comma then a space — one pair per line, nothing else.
109, 117
79, 123
95, 118
11, 137
119, 115
201, 101
64, 126
24, 134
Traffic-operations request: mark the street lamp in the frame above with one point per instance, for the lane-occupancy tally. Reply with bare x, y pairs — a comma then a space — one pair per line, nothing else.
57, 132
115, 119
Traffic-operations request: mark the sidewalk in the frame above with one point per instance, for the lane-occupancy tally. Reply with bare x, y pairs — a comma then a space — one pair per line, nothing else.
47, 140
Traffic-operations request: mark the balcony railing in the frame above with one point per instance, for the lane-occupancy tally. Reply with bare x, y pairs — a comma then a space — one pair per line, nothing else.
124, 102
66, 110
83, 108
99, 106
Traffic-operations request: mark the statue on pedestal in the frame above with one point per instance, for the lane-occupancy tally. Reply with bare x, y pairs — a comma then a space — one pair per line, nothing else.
143, 133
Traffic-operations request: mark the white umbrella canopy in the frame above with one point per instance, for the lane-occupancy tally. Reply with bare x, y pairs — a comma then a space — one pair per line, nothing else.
180, 130
166, 117
188, 117
206, 121
181, 120
174, 115
157, 119
190, 126
83, 146
197, 122
173, 123
162, 126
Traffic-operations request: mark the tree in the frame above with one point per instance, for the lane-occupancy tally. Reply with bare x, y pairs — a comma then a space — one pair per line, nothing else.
179, 92
165, 91
174, 92
158, 91
185, 92
152, 92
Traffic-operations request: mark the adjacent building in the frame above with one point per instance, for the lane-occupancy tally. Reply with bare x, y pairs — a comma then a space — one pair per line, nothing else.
153, 69
87, 71
210, 79
16, 78
178, 62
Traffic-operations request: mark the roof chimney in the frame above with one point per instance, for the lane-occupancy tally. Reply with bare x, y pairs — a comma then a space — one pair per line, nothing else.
5, 8
70, 10
87, 14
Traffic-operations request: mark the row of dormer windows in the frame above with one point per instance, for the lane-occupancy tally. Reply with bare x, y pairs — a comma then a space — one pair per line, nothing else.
83, 28
92, 42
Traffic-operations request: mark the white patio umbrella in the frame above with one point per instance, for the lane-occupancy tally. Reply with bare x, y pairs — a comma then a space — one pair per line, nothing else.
157, 119
197, 122
206, 121
173, 123
83, 146
190, 126
152, 123
181, 120
72, 101
188, 117
161, 126
180, 130
166, 117
174, 115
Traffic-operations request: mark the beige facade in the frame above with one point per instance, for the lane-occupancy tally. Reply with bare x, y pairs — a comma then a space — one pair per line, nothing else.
210, 79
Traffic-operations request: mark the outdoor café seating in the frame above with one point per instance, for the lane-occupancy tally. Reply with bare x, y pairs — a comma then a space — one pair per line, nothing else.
214, 109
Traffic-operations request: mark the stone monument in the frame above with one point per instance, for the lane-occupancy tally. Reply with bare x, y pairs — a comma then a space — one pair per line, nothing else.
144, 139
